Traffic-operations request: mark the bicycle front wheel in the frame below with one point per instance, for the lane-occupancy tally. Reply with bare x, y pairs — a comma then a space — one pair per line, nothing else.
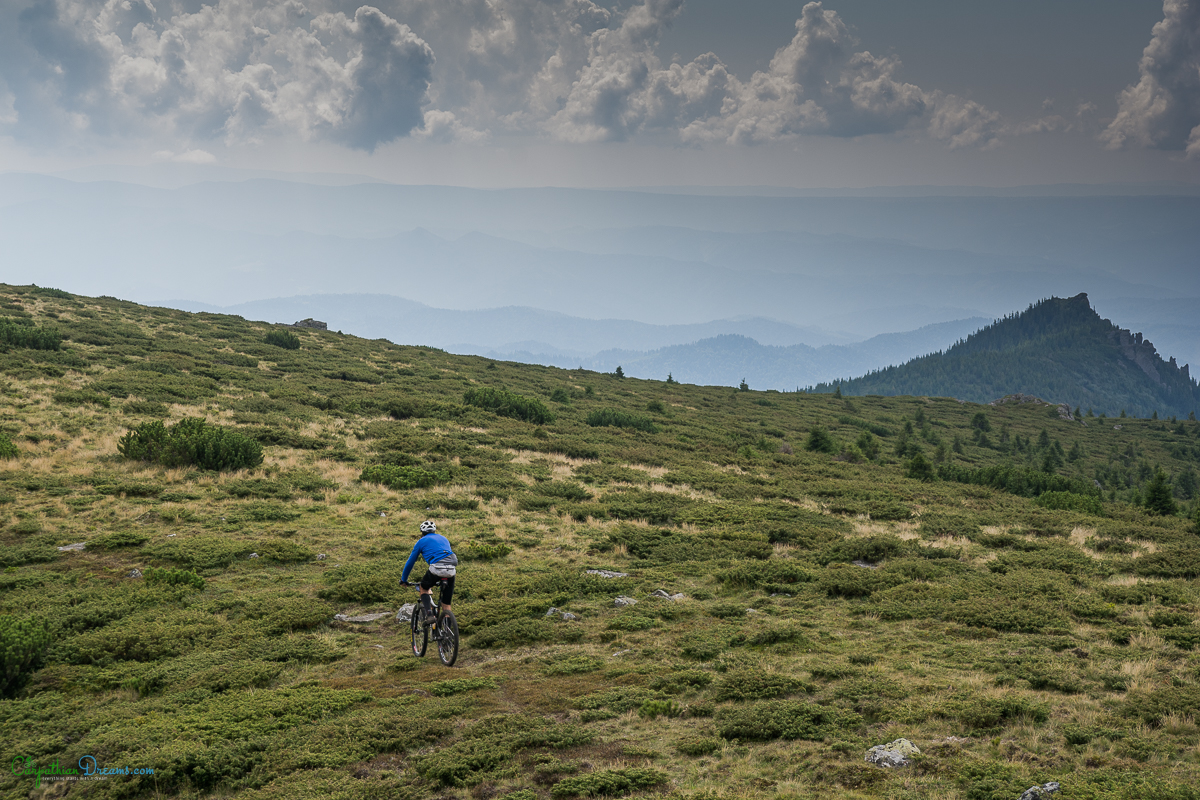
448, 639
420, 633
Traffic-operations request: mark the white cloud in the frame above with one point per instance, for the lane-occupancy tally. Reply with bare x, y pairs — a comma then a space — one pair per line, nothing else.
240, 71
186, 157
237, 70
1162, 110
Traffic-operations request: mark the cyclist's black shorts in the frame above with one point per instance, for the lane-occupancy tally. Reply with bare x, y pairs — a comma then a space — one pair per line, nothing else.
430, 580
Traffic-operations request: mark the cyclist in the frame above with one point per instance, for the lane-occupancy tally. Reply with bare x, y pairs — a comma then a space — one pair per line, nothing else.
435, 549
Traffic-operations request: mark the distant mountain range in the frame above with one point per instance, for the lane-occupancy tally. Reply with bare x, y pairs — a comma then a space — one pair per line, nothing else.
767, 353
1060, 350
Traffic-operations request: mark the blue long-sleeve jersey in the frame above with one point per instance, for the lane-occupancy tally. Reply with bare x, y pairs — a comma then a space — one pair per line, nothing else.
432, 547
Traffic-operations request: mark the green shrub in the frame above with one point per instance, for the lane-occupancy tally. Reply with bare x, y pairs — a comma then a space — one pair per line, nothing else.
1070, 501
849, 580
608, 782
478, 551
401, 478
173, 577
698, 745
748, 684
772, 575
819, 441
573, 665
190, 442
23, 644
79, 397
115, 539
23, 333
614, 418
508, 404
653, 709
783, 719
285, 339
7, 448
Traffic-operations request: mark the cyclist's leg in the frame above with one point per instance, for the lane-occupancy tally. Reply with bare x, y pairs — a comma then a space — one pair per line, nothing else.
447, 593
426, 589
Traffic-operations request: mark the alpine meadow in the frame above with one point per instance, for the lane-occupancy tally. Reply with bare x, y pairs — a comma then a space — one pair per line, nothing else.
665, 590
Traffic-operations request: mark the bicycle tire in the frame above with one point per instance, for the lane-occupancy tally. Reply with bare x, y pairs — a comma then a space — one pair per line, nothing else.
447, 639
420, 633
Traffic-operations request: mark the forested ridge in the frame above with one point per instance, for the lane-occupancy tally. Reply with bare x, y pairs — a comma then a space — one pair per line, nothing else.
1059, 349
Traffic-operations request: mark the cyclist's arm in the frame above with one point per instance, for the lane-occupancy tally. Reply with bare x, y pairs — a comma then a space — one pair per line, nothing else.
412, 559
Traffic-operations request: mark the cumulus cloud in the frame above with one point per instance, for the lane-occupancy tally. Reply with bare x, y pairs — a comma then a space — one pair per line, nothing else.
1162, 110
235, 70
819, 84
245, 70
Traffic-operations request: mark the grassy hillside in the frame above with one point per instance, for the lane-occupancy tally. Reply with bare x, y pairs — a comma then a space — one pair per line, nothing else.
1012, 641
1058, 349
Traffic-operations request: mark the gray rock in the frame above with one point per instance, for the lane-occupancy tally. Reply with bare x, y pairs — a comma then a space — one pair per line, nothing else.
1064, 412
405, 613
361, 617
320, 556
172, 536
660, 593
1042, 792
568, 616
316, 324
76, 546
678, 596
134, 573
621, 653
252, 555
606, 573
893, 754
753, 611
1116, 427
553, 612
623, 601
865, 564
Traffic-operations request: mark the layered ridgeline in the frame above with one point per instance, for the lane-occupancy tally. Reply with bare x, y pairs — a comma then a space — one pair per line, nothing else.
665, 591
1060, 350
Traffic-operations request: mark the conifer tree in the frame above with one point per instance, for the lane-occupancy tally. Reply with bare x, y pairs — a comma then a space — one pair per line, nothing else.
1159, 499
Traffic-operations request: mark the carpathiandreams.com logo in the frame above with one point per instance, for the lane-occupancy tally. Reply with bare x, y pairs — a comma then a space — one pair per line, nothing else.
88, 769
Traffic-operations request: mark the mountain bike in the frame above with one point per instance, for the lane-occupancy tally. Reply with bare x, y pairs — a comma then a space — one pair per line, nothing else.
443, 630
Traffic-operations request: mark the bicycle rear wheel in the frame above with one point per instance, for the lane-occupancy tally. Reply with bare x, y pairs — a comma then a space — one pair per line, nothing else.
420, 633
447, 639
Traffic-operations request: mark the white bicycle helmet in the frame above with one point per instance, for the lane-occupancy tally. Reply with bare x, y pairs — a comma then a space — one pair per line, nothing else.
428, 526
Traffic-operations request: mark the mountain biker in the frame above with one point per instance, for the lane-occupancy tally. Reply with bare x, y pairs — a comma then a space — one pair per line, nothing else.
435, 549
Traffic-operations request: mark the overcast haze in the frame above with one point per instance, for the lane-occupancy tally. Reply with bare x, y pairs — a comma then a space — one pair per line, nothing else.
250, 150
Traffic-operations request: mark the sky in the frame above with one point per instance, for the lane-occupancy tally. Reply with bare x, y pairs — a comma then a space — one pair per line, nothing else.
840, 93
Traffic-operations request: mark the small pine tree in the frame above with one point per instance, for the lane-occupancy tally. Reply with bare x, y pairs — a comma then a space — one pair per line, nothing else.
837, 391
618, 372
1159, 498
919, 468
819, 441
671, 379
743, 386
1154, 416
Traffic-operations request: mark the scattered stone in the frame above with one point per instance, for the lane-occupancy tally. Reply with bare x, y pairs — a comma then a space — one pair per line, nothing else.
134, 573
753, 611
360, 617
568, 616
170, 536
621, 653
377, 646
405, 613
1042, 792
1098, 484
553, 612
865, 564
606, 573
678, 596
252, 555
1116, 427
660, 593
893, 754
780, 594
1064, 412
383, 515
76, 546
310, 323
320, 556
623, 601
957, 739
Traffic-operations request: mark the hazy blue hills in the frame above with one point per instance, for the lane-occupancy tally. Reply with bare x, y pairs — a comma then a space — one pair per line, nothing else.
1058, 349
768, 353
728, 359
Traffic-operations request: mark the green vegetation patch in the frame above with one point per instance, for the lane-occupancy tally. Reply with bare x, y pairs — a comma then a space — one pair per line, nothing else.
403, 477
190, 442
784, 719
508, 404
615, 418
